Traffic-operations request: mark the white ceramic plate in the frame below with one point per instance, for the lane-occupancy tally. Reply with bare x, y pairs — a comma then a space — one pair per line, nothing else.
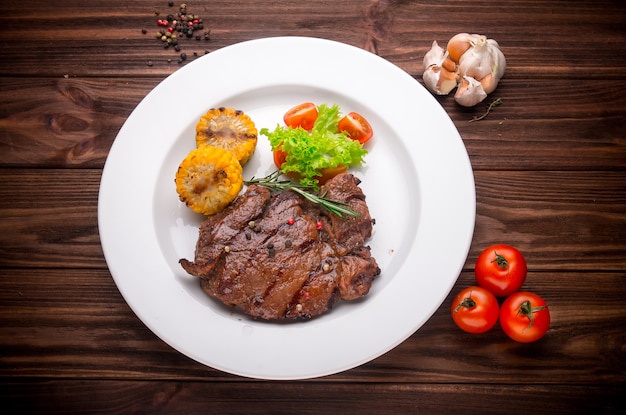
417, 178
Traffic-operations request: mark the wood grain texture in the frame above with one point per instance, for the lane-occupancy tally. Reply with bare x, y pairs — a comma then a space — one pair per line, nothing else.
70, 324
172, 397
550, 173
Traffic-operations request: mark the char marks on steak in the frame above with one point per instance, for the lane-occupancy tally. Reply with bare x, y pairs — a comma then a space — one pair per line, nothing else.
276, 255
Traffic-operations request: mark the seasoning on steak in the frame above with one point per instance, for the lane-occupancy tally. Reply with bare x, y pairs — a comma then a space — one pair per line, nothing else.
276, 255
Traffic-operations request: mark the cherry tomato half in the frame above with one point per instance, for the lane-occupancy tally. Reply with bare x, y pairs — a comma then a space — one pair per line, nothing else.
501, 269
356, 126
303, 115
279, 157
328, 173
524, 317
325, 174
475, 310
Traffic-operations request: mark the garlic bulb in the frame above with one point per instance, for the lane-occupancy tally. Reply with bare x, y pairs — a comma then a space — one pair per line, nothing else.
474, 63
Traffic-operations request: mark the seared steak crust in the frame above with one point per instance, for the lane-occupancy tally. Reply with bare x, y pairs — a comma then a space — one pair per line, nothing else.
278, 256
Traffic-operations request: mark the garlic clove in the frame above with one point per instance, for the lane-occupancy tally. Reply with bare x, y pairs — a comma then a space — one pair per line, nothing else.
470, 92
439, 80
439, 72
459, 44
477, 61
435, 56
497, 67
484, 61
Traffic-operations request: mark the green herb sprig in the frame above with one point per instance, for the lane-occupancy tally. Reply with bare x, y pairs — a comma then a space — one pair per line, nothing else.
272, 181
491, 106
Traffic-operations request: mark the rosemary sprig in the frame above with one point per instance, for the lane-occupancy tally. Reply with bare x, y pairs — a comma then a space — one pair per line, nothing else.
272, 181
491, 106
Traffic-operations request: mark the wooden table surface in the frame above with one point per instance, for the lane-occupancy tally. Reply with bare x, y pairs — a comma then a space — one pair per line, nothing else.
550, 172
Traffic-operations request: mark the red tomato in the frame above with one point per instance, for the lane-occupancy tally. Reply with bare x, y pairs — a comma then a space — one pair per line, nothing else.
356, 126
329, 172
475, 310
279, 157
524, 317
325, 174
303, 115
501, 269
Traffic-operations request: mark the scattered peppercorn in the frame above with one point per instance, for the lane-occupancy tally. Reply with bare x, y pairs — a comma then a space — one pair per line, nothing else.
182, 24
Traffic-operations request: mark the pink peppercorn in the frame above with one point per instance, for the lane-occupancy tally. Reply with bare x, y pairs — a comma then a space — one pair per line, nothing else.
318, 225
291, 221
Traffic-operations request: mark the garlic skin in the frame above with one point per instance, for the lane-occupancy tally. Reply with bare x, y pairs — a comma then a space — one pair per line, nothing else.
439, 71
470, 92
471, 62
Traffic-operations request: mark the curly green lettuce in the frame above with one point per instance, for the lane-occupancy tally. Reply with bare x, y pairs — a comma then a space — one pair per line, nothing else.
308, 153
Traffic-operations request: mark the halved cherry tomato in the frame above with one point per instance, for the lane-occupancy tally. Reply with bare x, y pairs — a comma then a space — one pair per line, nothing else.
325, 174
280, 157
501, 269
329, 172
303, 115
356, 126
524, 317
475, 310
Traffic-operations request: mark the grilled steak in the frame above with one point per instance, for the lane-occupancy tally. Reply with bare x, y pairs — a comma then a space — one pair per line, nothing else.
279, 256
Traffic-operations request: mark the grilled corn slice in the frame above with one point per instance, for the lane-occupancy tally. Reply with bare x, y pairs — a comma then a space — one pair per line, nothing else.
208, 179
230, 129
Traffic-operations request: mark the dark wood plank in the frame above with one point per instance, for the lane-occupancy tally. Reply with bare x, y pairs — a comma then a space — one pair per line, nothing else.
100, 38
171, 397
69, 122
542, 124
49, 218
74, 324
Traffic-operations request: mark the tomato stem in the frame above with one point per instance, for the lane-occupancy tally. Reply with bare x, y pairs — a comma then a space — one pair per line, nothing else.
501, 261
527, 310
467, 303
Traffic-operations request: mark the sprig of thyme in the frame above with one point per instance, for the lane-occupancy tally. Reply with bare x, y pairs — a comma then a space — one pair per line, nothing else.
272, 181
491, 106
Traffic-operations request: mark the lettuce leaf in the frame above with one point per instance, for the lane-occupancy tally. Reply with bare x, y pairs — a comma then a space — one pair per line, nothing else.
324, 147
